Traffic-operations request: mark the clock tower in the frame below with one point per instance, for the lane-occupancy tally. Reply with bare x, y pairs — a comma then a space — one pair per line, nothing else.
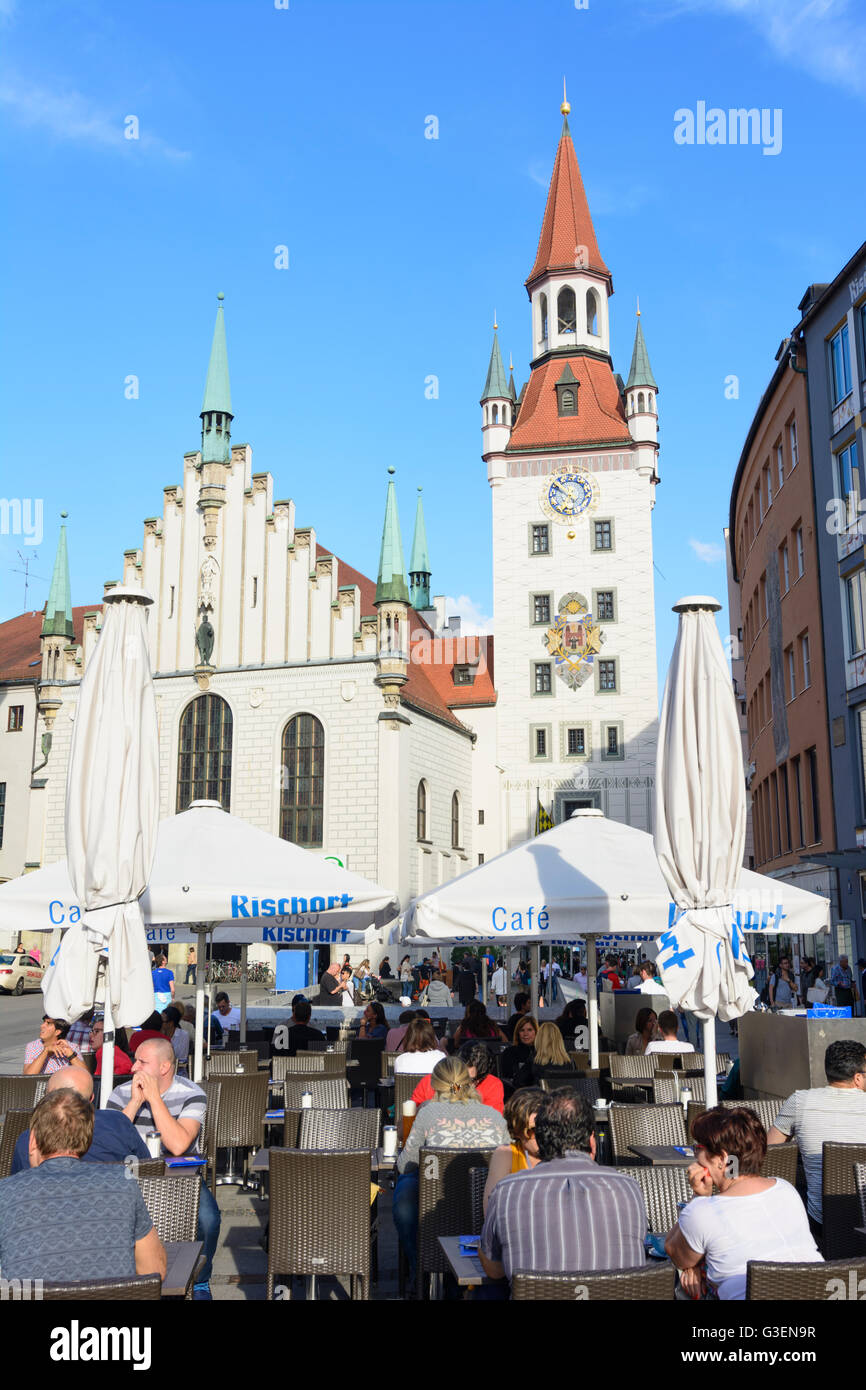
572, 466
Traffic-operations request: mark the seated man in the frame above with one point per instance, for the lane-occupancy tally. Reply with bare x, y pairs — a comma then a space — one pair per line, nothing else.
300, 1033
566, 1213
835, 1112
114, 1137
175, 1107
669, 1042
61, 1219
50, 1051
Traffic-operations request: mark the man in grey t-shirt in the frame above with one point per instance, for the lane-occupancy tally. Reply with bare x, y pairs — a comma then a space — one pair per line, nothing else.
833, 1113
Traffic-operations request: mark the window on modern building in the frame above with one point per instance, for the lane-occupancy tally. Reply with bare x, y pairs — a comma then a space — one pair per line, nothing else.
575, 742
455, 821
792, 674
604, 606
540, 540
765, 612
786, 806
2, 810
204, 760
848, 474
768, 485
541, 608
421, 810
607, 675
602, 535
784, 568
541, 743
792, 441
171, 601
807, 660
798, 799
542, 677
776, 815
780, 464
302, 782
812, 760
840, 365
855, 592
463, 675
801, 557
566, 310
255, 594
759, 492
480, 817
15, 721
543, 307
612, 741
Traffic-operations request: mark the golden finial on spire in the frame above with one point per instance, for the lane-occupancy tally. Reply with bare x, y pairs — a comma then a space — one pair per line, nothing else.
638, 306
564, 108
495, 324
510, 363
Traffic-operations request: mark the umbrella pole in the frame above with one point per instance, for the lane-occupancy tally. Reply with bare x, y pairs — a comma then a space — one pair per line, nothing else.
200, 970
712, 1094
484, 978
535, 959
107, 1077
592, 1001
244, 963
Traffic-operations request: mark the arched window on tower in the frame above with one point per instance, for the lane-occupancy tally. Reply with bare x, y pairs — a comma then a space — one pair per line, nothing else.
204, 762
566, 310
302, 782
496, 415
640, 401
649, 401
543, 306
592, 313
455, 821
422, 810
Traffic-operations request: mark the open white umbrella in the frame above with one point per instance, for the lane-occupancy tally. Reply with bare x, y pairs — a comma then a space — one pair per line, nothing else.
112, 812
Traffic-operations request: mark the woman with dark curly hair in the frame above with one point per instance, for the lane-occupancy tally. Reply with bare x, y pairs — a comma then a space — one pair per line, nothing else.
522, 1152
749, 1218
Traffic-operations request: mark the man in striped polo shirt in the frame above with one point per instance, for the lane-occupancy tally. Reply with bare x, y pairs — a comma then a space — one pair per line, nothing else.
157, 1099
835, 1112
567, 1213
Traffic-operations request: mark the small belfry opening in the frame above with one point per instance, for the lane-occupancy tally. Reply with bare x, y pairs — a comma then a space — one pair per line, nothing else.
566, 310
543, 309
592, 313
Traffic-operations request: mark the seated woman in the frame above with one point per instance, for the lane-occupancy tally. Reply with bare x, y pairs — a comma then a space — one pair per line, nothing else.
645, 1031
420, 1051
374, 1023
478, 1061
750, 1218
476, 1026
456, 1118
549, 1060
522, 1152
572, 1017
521, 1051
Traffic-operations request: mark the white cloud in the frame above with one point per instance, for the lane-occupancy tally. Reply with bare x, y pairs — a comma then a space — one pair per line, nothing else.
473, 622
825, 38
71, 116
708, 551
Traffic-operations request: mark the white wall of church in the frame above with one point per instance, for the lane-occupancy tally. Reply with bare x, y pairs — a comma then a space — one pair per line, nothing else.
443, 758
17, 756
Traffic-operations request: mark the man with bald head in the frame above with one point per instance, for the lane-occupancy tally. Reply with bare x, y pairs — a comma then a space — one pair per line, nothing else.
158, 1099
114, 1136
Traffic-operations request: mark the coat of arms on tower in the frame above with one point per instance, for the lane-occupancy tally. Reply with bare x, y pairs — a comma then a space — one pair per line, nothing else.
574, 641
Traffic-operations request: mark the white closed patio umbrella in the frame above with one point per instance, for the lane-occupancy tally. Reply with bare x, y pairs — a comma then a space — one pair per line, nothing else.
112, 812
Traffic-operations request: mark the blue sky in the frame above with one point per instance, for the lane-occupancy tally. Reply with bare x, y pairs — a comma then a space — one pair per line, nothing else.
304, 127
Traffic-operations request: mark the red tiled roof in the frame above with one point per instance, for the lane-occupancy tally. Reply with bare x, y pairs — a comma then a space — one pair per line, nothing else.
567, 222
19, 643
442, 654
600, 418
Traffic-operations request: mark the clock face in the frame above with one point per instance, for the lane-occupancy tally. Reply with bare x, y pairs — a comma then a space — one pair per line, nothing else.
567, 495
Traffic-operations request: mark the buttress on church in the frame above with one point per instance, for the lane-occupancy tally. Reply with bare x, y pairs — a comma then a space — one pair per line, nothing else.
350, 715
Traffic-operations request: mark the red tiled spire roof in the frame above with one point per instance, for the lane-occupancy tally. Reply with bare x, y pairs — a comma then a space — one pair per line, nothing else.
567, 223
20, 648
600, 418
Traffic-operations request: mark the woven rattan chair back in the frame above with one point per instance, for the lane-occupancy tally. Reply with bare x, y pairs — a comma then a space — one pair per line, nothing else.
305, 1063
781, 1162
340, 1129
330, 1094
579, 1060
689, 1061
14, 1125
559, 1083
21, 1092
386, 1063
665, 1089
221, 1063
139, 1288
840, 1202
860, 1184
646, 1282
637, 1065
769, 1281
242, 1106
662, 1189
444, 1203
320, 1215
587, 1086
148, 1168
404, 1084
207, 1142
696, 1107
644, 1124
291, 1127
766, 1110
173, 1205
477, 1184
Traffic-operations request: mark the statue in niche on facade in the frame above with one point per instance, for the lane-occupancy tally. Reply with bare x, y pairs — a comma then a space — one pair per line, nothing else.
208, 580
204, 640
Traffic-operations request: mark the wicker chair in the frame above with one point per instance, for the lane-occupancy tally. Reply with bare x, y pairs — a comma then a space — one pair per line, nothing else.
644, 1124
840, 1202
695, 1108
781, 1162
330, 1094
769, 1281
14, 1125
306, 1063
477, 1184
291, 1127
655, 1282
150, 1168
766, 1110
444, 1204
632, 1066
580, 1060
173, 1205
662, 1189
308, 1186
241, 1120
386, 1062
668, 1087
213, 1091
340, 1129
314, 1045
404, 1084
587, 1086
139, 1288
21, 1092
222, 1062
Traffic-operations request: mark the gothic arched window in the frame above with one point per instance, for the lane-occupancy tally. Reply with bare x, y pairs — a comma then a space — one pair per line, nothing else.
640, 401
455, 821
496, 414
566, 310
543, 306
592, 313
422, 810
204, 762
302, 782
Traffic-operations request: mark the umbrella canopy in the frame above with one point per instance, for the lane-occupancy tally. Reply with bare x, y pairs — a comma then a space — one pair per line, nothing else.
112, 812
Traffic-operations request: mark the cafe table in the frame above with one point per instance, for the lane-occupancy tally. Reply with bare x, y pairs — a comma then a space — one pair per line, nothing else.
181, 1259
467, 1269
664, 1155
379, 1162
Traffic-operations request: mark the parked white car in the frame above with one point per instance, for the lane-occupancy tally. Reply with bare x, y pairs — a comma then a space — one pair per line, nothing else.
19, 972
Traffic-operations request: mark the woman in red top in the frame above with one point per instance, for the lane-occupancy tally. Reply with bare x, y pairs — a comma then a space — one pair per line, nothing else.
478, 1060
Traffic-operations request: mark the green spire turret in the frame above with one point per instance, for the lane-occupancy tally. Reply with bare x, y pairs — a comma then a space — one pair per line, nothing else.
419, 564
495, 385
641, 373
58, 609
216, 410
391, 583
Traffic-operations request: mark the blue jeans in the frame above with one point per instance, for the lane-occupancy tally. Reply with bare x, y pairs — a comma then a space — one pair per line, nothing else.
404, 1208
209, 1219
